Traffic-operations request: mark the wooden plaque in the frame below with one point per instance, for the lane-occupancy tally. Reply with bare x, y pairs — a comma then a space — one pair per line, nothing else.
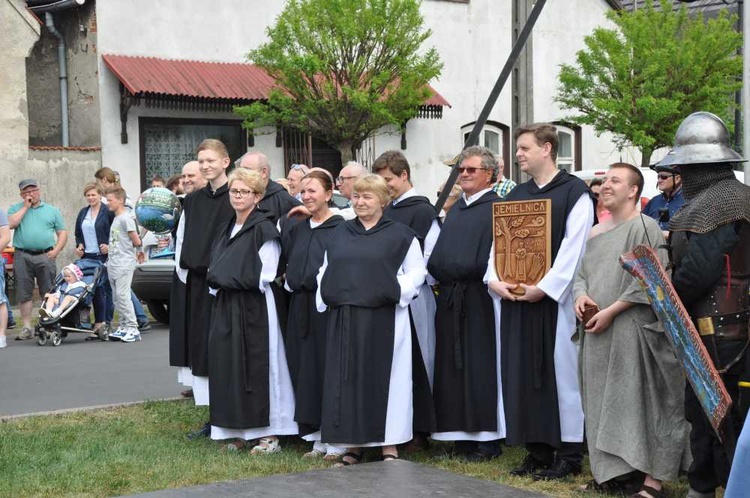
523, 241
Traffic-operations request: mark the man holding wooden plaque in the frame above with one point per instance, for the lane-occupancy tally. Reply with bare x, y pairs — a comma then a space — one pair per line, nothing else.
539, 238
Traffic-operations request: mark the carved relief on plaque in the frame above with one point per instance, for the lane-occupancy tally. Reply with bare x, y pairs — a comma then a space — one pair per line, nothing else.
523, 243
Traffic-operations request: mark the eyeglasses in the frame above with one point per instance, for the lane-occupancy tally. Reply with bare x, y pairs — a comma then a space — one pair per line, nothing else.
342, 179
470, 171
663, 176
240, 193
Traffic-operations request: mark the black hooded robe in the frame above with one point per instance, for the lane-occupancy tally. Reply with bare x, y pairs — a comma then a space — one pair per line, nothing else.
361, 288
204, 210
238, 345
465, 387
303, 248
418, 213
528, 333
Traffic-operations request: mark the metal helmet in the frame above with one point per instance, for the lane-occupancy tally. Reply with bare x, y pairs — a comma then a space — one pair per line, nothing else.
701, 138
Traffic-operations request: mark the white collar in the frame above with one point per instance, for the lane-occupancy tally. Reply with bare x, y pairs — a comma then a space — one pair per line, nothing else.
469, 200
409, 193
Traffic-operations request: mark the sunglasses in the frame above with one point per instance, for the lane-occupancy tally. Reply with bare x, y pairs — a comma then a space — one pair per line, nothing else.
297, 166
663, 176
470, 171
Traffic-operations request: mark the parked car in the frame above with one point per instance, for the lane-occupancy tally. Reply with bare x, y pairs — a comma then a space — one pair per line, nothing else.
152, 279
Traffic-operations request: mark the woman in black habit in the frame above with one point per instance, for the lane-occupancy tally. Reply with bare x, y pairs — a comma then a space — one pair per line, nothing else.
372, 269
303, 246
251, 394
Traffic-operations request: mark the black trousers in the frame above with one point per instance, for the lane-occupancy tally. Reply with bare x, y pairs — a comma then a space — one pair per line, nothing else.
711, 463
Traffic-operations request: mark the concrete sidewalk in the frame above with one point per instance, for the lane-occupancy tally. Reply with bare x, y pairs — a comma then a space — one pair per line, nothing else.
396, 479
79, 374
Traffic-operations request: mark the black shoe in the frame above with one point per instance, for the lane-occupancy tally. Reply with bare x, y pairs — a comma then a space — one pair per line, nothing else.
483, 456
560, 469
204, 431
530, 465
143, 326
11, 325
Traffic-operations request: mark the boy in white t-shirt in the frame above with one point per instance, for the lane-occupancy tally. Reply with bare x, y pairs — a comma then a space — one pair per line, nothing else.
121, 262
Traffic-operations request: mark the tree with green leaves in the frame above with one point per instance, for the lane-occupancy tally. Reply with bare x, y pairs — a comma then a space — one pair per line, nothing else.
344, 69
640, 80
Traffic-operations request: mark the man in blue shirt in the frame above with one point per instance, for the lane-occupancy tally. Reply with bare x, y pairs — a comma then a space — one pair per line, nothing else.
665, 205
39, 237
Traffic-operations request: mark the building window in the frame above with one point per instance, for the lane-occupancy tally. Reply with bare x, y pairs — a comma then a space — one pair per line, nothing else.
569, 150
496, 137
166, 144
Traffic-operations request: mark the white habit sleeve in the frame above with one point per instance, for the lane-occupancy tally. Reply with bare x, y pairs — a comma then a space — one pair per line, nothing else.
182, 273
269, 254
321, 306
412, 273
560, 277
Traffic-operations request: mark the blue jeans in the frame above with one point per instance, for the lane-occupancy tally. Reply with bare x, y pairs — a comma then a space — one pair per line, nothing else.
739, 477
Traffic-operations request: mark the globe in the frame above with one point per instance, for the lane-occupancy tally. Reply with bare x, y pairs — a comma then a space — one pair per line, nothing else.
158, 210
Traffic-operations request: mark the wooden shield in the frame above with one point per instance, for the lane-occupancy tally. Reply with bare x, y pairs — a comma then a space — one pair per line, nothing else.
522, 232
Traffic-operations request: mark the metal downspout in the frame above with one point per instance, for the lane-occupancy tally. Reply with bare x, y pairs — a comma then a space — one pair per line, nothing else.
62, 63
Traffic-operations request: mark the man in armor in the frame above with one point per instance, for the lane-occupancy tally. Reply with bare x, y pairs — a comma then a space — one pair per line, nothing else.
710, 239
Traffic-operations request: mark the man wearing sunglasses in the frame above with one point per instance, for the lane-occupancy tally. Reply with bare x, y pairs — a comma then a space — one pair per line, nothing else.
665, 205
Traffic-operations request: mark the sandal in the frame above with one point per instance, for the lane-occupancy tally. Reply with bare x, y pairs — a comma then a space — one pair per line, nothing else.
356, 457
314, 454
388, 457
236, 445
265, 446
611, 487
652, 492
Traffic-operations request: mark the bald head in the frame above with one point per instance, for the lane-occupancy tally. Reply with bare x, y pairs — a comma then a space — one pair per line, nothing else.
192, 178
348, 176
256, 161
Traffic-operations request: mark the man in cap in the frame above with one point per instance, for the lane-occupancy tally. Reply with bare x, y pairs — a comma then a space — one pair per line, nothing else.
665, 205
39, 237
710, 239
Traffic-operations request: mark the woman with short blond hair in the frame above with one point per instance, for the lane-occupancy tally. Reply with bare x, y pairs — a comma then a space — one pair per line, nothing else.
250, 390
372, 269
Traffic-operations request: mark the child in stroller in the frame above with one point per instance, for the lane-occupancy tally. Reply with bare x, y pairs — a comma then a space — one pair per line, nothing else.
66, 294
66, 308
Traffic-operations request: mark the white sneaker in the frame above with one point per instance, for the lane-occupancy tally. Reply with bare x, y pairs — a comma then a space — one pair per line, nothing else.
3, 342
132, 335
117, 334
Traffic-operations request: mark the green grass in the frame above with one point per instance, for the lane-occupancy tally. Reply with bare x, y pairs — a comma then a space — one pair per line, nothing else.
143, 448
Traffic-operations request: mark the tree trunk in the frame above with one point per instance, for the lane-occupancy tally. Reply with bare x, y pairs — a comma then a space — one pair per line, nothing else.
646, 153
346, 153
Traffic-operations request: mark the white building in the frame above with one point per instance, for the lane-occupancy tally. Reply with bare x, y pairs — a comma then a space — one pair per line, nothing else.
157, 133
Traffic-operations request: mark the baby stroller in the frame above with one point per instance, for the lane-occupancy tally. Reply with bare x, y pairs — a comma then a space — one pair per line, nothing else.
77, 316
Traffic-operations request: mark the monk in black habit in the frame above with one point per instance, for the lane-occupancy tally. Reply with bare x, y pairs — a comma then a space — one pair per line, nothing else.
203, 211
416, 212
250, 388
543, 409
178, 341
303, 247
372, 270
467, 400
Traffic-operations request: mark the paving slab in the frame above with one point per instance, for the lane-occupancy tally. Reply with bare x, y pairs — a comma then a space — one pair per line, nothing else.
377, 480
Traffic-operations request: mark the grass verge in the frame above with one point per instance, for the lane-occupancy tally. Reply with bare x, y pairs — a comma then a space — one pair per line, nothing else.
143, 448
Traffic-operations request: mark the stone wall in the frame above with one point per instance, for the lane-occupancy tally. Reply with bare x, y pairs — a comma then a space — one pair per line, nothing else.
79, 29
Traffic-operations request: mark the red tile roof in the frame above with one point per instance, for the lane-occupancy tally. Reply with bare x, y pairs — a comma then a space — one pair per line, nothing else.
208, 80
60, 147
